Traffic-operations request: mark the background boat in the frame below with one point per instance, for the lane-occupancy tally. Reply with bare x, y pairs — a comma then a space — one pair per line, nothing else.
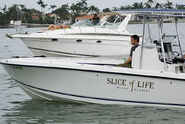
84, 38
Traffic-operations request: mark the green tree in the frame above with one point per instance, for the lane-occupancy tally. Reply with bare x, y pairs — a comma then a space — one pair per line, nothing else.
28, 15
169, 5
92, 9
78, 9
115, 9
4, 9
43, 13
106, 10
40, 3
49, 20
44, 6
3, 19
82, 6
21, 12
125, 7
149, 4
12, 12
34, 11
75, 11
52, 7
180, 7
22, 7
137, 5
63, 12
158, 6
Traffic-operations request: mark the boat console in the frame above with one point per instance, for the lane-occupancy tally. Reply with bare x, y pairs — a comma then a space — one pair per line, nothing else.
172, 56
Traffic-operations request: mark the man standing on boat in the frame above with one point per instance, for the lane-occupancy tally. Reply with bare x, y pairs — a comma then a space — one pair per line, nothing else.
95, 19
135, 42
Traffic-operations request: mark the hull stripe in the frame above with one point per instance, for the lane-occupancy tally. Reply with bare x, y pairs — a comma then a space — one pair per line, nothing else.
102, 99
58, 52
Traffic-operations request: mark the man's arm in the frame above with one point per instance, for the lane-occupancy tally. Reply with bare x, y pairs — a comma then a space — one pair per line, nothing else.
183, 56
128, 60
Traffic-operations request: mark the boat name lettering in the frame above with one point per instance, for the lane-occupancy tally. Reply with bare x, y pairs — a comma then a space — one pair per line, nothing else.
133, 85
116, 81
146, 84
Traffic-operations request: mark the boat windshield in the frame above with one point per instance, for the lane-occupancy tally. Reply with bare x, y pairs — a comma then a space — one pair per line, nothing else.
85, 23
111, 22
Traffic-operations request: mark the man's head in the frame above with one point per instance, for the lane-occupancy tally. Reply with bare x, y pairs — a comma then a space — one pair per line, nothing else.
134, 39
95, 15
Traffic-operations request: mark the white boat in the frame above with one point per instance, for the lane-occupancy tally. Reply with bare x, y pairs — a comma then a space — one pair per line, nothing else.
84, 38
157, 76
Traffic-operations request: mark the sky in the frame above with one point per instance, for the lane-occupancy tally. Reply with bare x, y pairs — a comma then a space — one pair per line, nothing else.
101, 4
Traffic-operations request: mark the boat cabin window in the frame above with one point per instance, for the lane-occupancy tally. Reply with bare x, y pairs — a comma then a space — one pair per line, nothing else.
113, 22
115, 19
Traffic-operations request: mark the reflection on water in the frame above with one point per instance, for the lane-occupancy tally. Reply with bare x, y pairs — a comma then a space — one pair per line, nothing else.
47, 112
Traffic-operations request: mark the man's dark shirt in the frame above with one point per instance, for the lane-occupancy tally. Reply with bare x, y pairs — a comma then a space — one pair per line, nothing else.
96, 18
133, 49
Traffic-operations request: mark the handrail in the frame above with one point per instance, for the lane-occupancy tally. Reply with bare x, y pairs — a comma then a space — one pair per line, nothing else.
178, 36
149, 32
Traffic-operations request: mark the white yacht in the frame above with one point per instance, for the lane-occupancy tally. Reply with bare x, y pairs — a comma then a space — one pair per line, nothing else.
85, 38
157, 76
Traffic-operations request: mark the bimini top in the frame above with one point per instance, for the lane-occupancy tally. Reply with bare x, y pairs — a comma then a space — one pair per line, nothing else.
156, 12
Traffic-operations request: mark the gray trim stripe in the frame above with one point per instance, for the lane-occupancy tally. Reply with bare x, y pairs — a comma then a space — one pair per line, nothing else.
102, 99
45, 50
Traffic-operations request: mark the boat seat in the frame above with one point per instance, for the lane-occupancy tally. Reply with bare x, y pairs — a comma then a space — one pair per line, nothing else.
150, 59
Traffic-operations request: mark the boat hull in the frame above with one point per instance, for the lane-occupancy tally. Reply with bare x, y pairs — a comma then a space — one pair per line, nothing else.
79, 46
97, 86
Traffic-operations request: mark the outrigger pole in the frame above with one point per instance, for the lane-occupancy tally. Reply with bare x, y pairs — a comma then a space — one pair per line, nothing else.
178, 35
160, 25
143, 39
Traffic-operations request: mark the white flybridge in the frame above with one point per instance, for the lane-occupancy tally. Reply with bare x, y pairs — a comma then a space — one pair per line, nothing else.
85, 38
157, 76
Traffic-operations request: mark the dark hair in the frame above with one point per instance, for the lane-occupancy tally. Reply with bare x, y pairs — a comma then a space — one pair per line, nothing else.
135, 37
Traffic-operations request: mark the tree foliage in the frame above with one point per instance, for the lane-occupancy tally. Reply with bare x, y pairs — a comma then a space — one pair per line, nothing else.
66, 12
106, 10
63, 12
